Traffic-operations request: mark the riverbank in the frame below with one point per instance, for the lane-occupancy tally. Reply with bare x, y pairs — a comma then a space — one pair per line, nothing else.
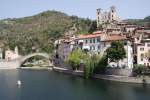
124, 79
3, 68
36, 68
9, 64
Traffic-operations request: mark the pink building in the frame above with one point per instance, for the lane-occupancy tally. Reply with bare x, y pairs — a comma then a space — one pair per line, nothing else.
11, 55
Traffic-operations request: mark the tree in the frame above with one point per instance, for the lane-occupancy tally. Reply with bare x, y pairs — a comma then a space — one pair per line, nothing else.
101, 65
88, 68
116, 52
75, 58
93, 27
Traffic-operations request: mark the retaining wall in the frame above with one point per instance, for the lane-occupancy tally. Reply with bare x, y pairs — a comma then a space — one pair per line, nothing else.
126, 79
119, 71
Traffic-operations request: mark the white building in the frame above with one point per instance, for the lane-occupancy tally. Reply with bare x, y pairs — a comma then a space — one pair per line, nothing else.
98, 42
141, 46
126, 62
90, 42
143, 52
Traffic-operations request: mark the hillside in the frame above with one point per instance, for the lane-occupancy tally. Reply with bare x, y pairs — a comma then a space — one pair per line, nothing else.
141, 22
38, 32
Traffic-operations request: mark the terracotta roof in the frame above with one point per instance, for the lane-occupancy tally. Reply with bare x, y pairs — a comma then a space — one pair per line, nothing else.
89, 36
115, 38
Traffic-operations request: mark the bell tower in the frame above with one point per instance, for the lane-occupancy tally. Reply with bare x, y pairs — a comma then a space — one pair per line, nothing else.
113, 13
99, 17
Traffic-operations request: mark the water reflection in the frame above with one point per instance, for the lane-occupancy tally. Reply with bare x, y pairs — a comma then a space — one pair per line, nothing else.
49, 85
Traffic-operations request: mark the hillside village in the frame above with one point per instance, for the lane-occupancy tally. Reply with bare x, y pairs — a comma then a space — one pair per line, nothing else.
96, 40
110, 28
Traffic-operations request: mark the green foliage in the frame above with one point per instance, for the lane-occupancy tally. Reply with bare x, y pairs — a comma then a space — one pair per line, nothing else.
139, 69
101, 65
39, 31
116, 51
93, 27
94, 65
76, 57
83, 25
147, 19
88, 68
142, 22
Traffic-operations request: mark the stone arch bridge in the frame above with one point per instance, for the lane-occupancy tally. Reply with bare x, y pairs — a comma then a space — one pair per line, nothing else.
18, 62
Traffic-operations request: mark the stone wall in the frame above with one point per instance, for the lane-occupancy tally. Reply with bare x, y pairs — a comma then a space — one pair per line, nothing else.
125, 79
119, 71
9, 64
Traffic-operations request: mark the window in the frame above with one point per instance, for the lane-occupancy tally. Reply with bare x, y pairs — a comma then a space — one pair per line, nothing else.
142, 56
125, 43
86, 41
141, 49
93, 40
141, 59
98, 39
98, 47
90, 40
104, 44
93, 47
90, 48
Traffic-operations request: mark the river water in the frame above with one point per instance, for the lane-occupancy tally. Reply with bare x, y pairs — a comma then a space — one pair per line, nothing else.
50, 85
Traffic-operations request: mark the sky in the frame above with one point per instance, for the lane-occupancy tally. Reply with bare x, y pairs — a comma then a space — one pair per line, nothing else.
127, 9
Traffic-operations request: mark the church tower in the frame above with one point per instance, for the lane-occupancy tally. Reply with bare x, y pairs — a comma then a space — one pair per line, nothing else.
99, 17
113, 13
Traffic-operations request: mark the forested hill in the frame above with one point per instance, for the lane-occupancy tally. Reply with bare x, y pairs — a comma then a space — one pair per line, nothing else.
38, 32
141, 22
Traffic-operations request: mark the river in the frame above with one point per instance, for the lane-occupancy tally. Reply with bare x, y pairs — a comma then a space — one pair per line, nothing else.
50, 85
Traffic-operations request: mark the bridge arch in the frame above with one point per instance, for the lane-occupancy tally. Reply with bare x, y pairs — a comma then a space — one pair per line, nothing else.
45, 55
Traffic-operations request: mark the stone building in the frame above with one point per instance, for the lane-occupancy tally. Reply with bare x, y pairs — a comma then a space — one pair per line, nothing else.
143, 52
126, 62
103, 17
64, 47
11, 55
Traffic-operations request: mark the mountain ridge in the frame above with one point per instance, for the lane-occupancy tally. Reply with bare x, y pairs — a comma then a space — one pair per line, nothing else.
39, 31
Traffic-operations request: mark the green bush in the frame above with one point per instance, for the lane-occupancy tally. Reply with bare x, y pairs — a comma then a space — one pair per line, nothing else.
139, 69
28, 65
101, 65
89, 68
75, 58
